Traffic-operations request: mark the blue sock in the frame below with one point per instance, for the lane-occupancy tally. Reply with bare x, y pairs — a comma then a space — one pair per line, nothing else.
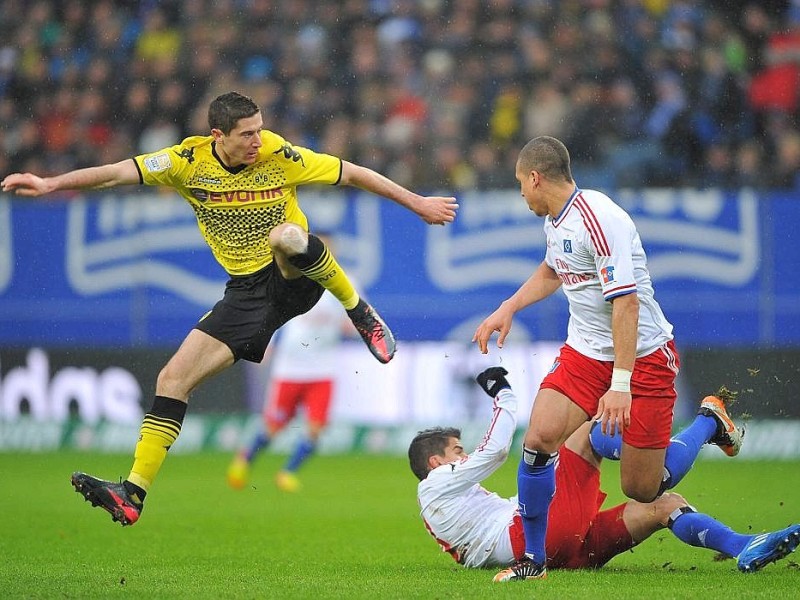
302, 451
684, 448
259, 442
535, 487
681, 452
697, 529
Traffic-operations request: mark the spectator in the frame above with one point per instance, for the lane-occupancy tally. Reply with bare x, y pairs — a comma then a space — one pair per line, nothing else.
632, 154
786, 171
718, 171
775, 87
158, 38
410, 75
546, 112
747, 172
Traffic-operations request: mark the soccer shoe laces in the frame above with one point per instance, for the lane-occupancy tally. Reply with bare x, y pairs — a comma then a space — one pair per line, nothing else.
524, 568
369, 326
729, 436
373, 331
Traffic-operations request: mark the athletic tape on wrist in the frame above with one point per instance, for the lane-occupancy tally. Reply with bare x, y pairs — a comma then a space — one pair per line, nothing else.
621, 380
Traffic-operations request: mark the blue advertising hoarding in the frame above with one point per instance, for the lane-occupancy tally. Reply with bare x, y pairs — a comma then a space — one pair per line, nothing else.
130, 269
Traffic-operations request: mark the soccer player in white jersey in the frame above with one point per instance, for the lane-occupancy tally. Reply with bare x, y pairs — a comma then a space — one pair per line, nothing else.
302, 370
619, 361
241, 182
478, 528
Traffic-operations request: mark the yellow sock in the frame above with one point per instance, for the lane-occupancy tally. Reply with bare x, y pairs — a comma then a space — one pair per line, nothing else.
160, 428
319, 264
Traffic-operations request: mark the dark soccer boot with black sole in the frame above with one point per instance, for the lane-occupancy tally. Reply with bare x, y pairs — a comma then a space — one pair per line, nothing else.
111, 497
375, 333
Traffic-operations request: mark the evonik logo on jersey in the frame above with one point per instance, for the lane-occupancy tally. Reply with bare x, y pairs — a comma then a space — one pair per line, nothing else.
237, 196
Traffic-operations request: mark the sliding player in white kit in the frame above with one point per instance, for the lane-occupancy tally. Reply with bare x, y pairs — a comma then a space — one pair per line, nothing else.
619, 361
478, 528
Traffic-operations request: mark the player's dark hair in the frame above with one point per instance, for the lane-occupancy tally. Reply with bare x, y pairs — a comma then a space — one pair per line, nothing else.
427, 443
226, 110
548, 156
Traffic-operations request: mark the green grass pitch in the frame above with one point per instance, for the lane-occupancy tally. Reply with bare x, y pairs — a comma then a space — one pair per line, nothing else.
352, 532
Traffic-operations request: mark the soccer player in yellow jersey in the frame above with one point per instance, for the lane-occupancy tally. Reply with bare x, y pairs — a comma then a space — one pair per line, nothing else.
241, 181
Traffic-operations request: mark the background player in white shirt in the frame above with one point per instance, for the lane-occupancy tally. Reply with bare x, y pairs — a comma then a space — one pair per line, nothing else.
303, 366
619, 361
478, 528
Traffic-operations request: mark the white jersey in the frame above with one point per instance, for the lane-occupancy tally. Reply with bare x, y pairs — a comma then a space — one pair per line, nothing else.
596, 251
306, 346
469, 522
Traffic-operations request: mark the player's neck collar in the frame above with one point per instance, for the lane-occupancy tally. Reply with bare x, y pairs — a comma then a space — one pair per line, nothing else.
566, 206
232, 170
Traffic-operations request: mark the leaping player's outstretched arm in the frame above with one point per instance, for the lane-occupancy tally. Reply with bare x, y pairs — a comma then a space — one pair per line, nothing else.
434, 210
105, 176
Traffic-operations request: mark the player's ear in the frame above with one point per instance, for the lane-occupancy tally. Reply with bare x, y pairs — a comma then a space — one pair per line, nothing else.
217, 133
434, 461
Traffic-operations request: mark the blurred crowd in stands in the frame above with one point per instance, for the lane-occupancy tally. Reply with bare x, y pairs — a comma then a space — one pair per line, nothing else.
436, 94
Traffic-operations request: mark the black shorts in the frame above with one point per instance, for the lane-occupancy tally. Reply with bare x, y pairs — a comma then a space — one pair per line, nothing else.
254, 307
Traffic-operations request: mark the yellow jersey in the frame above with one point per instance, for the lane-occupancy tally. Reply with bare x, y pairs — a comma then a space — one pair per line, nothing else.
237, 207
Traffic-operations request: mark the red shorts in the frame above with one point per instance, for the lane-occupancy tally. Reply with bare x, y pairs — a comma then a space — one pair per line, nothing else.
287, 397
579, 534
584, 380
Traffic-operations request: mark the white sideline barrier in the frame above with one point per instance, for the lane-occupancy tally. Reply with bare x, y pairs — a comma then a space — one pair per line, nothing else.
765, 440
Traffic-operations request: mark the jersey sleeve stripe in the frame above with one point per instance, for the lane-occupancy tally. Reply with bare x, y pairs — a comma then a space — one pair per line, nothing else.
341, 169
138, 170
592, 224
487, 437
619, 291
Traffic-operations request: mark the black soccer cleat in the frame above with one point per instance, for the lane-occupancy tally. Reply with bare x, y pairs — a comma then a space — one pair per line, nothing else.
521, 570
492, 380
111, 497
375, 333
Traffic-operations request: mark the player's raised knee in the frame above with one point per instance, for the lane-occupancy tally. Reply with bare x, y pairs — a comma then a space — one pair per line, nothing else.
641, 491
288, 238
